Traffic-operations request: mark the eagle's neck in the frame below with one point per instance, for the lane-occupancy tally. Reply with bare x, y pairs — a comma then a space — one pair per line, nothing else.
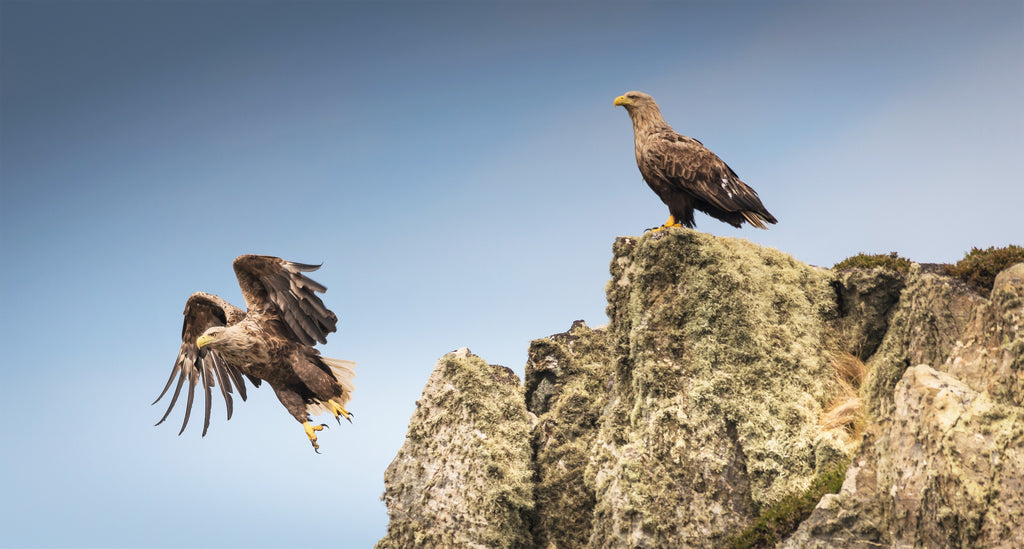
647, 125
648, 121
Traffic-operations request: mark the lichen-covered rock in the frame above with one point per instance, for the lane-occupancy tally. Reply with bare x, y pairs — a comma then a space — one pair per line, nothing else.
990, 354
720, 377
567, 382
946, 472
463, 476
703, 403
943, 465
953, 451
866, 300
1010, 279
932, 315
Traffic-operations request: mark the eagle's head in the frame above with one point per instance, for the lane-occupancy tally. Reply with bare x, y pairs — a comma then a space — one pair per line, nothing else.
635, 100
234, 344
643, 110
211, 336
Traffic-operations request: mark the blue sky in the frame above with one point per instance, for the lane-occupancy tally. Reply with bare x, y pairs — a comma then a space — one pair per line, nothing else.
460, 172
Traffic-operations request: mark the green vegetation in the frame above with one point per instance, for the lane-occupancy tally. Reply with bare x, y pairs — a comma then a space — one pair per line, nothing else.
783, 518
979, 267
892, 261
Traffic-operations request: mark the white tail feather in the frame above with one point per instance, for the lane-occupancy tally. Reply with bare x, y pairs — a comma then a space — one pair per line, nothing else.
343, 371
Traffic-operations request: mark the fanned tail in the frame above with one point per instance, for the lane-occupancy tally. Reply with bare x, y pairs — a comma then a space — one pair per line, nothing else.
343, 372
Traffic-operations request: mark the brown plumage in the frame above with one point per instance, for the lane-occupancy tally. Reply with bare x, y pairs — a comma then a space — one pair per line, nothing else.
272, 341
685, 174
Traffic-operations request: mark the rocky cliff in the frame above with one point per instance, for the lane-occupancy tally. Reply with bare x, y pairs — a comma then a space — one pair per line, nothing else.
729, 378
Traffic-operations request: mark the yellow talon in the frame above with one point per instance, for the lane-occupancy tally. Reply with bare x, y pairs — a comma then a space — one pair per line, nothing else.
311, 433
670, 223
339, 411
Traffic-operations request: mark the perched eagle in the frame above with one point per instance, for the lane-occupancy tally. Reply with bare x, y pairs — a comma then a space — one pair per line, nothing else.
685, 174
272, 341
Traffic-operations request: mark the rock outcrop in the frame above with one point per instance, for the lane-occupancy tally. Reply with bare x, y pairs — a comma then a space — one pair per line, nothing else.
942, 461
720, 351
463, 477
712, 395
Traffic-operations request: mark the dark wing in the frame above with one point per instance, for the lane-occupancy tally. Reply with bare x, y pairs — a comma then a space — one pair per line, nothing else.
203, 311
271, 284
690, 166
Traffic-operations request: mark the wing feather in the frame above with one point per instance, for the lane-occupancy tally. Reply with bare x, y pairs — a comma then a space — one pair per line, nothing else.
203, 311
224, 380
174, 371
177, 391
193, 377
272, 285
690, 166
208, 383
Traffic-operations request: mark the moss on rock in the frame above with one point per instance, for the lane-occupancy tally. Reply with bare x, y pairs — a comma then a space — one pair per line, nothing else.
932, 314
463, 477
566, 386
717, 393
866, 299
722, 389
943, 458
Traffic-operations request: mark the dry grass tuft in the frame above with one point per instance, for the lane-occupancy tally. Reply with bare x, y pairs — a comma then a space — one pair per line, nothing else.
846, 416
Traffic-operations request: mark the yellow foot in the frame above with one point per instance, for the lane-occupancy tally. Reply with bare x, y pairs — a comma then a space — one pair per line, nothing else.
671, 222
311, 433
339, 411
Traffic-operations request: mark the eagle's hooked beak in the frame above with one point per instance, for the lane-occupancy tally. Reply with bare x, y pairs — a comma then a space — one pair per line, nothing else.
622, 100
204, 340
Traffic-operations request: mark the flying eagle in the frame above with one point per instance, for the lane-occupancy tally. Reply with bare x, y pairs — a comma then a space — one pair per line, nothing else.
685, 174
272, 341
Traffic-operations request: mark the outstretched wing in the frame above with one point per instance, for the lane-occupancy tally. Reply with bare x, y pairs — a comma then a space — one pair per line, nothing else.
203, 311
690, 166
271, 284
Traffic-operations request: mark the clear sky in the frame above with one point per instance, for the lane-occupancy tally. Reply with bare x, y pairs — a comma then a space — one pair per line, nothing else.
461, 173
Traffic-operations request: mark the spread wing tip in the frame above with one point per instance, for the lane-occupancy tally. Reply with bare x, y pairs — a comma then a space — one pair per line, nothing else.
304, 267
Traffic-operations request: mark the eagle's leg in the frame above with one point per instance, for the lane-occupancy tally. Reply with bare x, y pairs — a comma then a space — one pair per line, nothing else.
339, 411
671, 222
311, 433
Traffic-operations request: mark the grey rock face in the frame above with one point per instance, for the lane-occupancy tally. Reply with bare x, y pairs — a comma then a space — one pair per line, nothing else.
866, 300
463, 477
568, 378
943, 462
711, 395
721, 375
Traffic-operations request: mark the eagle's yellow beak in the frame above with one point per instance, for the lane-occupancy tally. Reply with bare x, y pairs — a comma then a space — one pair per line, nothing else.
622, 100
204, 340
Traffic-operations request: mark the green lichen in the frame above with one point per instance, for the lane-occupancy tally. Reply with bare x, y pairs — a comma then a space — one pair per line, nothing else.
930, 317
463, 477
721, 380
571, 370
